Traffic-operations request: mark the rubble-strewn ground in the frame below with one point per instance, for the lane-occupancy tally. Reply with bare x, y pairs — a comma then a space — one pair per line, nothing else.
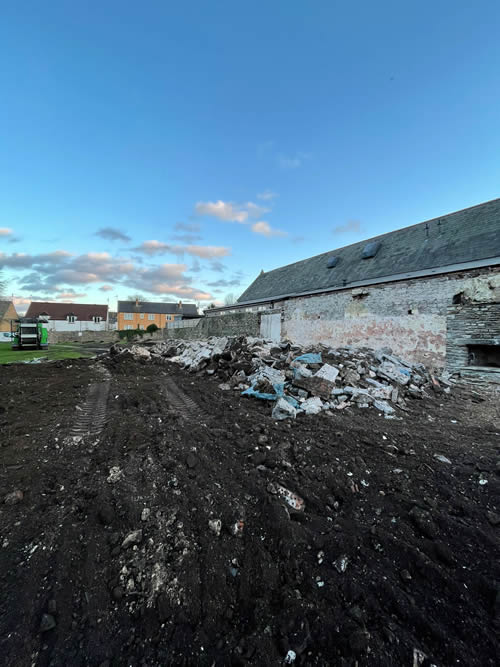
113, 557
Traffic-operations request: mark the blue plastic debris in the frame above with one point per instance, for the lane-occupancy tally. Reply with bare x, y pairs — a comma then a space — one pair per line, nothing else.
309, 358
279, 389
293, 401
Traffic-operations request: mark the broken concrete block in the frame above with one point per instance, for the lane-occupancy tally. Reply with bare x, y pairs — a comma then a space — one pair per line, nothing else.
283, 410
273, 375
312, 406
327, 372
393, 373
351, 376
140, 352
315, 385
301, 371
383, 407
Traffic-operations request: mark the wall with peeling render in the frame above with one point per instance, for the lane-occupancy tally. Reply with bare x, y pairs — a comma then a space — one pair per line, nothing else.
409, 316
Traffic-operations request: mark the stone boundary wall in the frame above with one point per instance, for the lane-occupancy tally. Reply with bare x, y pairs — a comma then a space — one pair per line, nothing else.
83, 336
234, 324
96, 336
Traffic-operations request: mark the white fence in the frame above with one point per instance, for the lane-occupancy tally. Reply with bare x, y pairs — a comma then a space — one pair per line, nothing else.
79, 325
182, 324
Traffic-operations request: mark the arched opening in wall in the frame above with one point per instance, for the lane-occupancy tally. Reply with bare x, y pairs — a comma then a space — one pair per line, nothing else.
458, 298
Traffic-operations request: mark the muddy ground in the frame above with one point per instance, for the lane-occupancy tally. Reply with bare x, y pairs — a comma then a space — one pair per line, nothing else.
108, 559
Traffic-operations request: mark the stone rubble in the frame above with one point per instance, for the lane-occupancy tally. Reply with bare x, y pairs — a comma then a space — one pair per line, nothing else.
300, 379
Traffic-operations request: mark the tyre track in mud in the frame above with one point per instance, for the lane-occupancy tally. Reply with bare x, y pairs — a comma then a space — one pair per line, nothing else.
92, 415
181, 402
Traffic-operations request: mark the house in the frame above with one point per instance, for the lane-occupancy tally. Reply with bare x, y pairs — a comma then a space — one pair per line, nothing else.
71, 316
140, 314
8, 314
431, 292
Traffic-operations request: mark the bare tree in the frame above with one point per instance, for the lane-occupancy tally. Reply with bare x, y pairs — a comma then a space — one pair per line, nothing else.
136, 297
229, 299
3, 286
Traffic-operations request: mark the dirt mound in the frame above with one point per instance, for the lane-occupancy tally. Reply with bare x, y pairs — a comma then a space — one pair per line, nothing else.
192, 528
300, 379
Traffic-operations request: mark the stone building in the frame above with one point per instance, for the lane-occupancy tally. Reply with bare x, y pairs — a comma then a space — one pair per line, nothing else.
430, 291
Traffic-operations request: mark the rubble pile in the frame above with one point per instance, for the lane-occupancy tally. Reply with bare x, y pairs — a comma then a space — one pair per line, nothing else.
300, 379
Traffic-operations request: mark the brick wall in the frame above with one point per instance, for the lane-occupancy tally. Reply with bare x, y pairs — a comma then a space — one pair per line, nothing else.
408, 316
235, 324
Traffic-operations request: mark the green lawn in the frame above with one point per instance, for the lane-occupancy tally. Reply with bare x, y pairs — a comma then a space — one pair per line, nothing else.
56, 351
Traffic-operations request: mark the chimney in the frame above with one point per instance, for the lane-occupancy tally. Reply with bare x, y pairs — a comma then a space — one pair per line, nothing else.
137, 302
179, 305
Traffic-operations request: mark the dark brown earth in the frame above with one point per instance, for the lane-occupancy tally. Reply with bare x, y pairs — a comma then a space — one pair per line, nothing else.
418, 537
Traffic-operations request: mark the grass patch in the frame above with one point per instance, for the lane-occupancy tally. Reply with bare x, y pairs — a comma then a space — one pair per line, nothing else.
55, 352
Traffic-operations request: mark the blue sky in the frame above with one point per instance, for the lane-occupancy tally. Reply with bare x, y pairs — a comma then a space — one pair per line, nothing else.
176, 149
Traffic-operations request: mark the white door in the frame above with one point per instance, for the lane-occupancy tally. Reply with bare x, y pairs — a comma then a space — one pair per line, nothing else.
270, 327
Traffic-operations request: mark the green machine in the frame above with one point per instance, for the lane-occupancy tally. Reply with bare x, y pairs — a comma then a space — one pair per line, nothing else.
29, 333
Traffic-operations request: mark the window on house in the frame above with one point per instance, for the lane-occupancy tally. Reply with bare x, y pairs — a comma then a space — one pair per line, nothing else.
97, 319
128, 327
128, 316
151, 316
71, 318
141, 326
142, 316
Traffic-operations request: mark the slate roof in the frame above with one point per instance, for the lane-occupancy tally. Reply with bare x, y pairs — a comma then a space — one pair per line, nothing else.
59, 311
185, 309
468, 235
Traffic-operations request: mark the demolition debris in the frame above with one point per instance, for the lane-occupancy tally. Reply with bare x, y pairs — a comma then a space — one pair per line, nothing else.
301, 380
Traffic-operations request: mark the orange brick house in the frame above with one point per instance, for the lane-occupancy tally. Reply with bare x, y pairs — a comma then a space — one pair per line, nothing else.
7, 313
140, 314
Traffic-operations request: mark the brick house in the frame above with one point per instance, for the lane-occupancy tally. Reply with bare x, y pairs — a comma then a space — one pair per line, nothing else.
430, 291
140, 314
71, 316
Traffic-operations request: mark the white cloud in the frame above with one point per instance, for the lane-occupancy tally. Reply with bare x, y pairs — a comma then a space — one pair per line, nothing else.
230, 212
267, 195
113, 234
207, 251
217, 266
351, 227
154, 247
265, 229
167, 279
71, 295
192, 228
186, 238
56, 273
6, 231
